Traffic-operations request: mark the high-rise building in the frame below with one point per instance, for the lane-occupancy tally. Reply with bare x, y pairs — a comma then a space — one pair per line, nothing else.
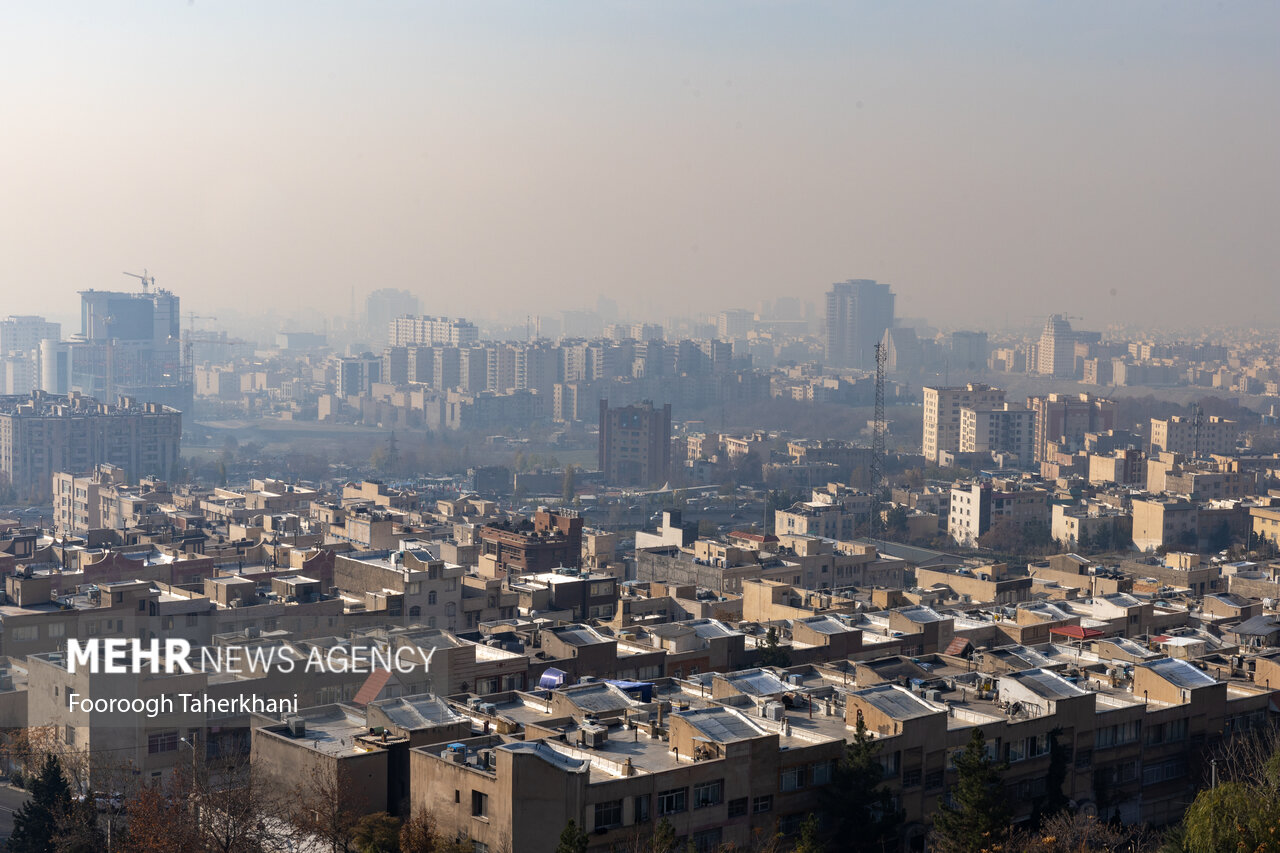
42, 434
1065, 418
942, 407
969, 351
20, 341
1056, 354
357, 374
635, 444
430, 331
858, 312
129, 345
383, 306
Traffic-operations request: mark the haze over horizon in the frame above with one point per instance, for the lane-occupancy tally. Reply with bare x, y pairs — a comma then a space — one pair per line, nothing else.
993, 162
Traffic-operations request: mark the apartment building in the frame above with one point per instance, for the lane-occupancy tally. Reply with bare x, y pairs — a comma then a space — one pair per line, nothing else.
41, 435
635, 444
1191, 436
942, 414
552, 540
977, 507
1064, 419
431, 331
1000, 429
719, 775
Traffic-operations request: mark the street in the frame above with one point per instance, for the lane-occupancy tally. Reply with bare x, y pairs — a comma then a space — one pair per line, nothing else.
11, 799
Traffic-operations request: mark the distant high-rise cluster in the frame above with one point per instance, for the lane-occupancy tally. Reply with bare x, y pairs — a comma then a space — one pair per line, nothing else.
20, 339
858, 313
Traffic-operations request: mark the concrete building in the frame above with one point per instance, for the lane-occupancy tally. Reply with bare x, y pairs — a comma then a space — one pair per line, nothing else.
635, 444
552, 540
858, 313
1055, 353
1064, 419
1000, 429
431, 331
942, 410
978, 507
1176, 434
41, 435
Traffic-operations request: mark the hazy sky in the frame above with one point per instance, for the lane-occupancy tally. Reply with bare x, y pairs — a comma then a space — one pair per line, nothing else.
989, 160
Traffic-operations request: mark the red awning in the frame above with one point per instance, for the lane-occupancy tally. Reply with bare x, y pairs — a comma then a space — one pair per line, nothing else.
1076, 632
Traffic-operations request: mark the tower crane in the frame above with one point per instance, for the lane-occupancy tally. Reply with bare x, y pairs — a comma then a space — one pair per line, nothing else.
147, 280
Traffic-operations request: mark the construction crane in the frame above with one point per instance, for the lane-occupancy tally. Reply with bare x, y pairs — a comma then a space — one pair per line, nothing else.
147, 280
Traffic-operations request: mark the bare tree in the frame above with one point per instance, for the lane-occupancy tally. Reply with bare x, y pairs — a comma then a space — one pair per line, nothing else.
321, 807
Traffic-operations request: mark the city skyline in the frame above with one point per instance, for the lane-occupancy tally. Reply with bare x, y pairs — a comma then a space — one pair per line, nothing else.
665, 156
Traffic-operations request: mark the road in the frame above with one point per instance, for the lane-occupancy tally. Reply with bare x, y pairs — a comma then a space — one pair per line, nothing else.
11, 799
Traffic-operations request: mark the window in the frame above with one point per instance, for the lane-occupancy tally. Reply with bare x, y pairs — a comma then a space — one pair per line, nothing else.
25, 632
820, 773
162, 742
911, 778
760, 805
673, 801
69, 735
451, 609
708, 794
167, 624
608, 814
790, 825
413, 588
707, 841
57, 629
933, 780
415, 613
479, 847
479, 804
431, 597
792, 778
1164, 771
738, 807
642, 809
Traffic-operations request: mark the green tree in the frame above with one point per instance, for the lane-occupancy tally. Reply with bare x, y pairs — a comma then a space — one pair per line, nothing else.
664, 837
773, 654
976, 816
572, 839
811, 836
1232, 816
377, 833
35, 824
1055, 799
895, 521
857, 805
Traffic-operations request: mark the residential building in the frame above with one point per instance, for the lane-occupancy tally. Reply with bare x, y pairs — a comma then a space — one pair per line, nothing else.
41, 435
1000, 429
942, 414
1194, 436
431, 331
635, 444
1064, 419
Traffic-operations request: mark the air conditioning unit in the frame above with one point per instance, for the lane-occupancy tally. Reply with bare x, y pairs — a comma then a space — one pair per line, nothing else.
774, 711
594, 736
